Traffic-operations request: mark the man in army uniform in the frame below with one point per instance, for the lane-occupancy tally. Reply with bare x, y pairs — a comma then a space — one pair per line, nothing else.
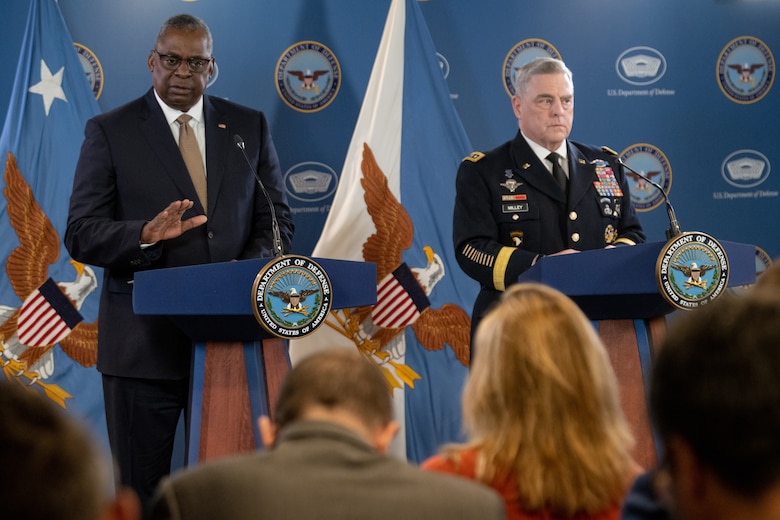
539, 194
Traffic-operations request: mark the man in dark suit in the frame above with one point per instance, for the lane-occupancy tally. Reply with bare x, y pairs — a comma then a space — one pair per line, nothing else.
518, 202
136, 206
326, 459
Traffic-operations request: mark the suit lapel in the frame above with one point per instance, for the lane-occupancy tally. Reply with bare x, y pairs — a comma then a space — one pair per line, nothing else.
218, 139
581, 174
154, 128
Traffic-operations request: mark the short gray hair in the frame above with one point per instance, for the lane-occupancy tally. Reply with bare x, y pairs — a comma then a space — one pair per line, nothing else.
539, 66
187, 22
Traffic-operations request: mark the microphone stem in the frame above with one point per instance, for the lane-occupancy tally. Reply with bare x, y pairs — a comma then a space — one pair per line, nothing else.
277, 239
674, 226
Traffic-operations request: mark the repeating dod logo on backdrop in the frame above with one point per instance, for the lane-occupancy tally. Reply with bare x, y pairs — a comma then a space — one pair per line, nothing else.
521, 54
92, 68
746, 70
640, 65
291, 296
311, 181
652, 163
745, 168
692, 270
308, 76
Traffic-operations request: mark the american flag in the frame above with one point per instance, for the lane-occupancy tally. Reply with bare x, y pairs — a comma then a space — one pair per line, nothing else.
47, 316
400, 299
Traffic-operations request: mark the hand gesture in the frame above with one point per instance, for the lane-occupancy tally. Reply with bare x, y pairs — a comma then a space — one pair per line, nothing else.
168, 223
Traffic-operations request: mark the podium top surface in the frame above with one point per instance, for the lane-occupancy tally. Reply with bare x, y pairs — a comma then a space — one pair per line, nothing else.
225, 288
620, 282
626, 269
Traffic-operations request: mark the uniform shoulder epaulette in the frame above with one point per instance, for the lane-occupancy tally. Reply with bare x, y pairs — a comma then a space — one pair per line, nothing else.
609, 151
474, 156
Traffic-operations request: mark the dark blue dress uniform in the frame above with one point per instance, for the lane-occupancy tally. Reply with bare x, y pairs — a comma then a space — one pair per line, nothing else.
509, 209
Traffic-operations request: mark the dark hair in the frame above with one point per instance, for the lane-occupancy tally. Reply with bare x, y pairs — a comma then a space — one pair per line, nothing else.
716, 384
186, 22
49, 465
336, 379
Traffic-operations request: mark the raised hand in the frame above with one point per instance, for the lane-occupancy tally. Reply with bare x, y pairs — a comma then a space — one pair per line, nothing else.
168, 223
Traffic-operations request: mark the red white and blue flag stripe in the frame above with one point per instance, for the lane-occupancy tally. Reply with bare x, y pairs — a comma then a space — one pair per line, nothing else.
400, 299
47, 316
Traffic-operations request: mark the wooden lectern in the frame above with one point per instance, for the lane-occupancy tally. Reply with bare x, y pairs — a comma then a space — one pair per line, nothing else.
617, 289
237, 366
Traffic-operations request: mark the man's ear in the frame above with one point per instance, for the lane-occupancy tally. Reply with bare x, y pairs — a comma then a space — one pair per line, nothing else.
267, 430
516, 106
384, 436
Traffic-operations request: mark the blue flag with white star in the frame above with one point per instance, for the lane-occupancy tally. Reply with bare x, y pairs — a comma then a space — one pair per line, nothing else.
40, 142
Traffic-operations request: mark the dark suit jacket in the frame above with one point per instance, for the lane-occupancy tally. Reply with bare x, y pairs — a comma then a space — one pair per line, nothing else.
509, 209
129, 170
321, 471
642, 501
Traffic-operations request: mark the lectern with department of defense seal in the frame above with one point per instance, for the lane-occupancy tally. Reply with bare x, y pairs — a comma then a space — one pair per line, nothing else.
620, 290
238, 365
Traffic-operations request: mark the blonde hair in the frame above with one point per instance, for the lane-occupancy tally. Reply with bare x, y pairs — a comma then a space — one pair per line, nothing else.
541, 405
769, 280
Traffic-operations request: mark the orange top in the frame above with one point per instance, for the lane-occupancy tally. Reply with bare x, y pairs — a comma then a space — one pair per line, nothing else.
506, 487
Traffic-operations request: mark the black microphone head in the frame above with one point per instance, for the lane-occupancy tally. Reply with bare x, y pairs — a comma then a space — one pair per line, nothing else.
239, 141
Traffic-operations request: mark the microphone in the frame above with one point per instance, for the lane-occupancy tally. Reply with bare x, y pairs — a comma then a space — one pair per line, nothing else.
274, 223
674, 226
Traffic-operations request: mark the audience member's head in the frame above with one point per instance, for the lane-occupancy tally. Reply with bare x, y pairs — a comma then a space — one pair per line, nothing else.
541, 403
715, 401
50, 467
326, 459
337, 385
769, 280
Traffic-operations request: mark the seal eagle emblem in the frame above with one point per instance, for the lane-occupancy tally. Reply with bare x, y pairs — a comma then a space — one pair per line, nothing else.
692, 270
280, 296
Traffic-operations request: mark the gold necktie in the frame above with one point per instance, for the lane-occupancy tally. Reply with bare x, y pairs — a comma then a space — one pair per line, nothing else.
190, 151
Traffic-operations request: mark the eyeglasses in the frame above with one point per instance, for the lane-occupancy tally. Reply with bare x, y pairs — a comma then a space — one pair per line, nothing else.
173, 62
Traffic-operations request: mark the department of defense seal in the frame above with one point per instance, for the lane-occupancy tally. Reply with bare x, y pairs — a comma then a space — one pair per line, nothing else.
291, 296
692, 270
92, 68
653, 164
308, 76
521, 54
745, 70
